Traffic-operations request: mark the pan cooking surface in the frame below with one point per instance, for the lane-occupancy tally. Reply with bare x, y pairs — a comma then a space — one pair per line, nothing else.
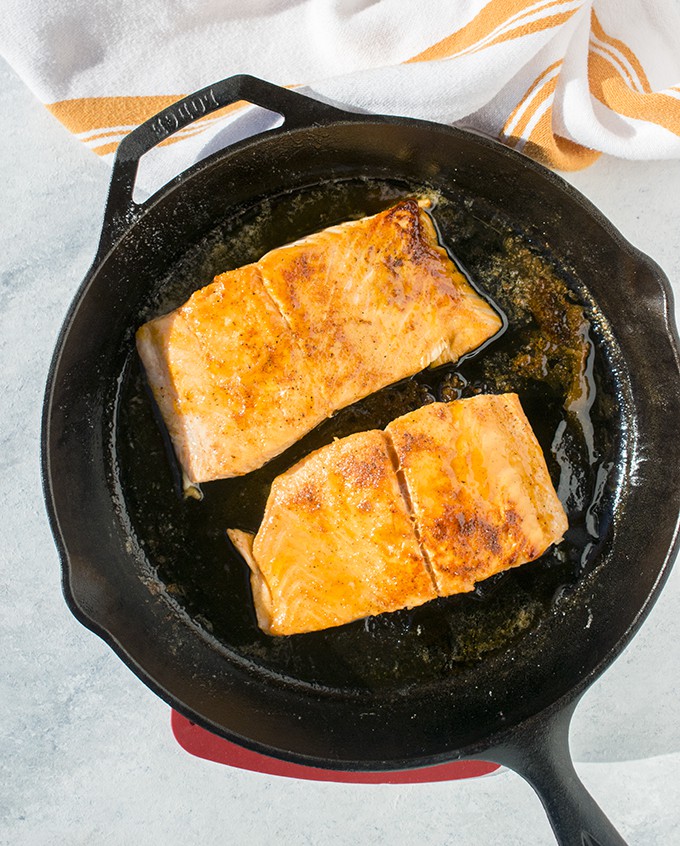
554, 332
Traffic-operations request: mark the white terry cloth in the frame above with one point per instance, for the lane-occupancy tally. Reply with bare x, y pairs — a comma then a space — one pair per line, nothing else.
561, 80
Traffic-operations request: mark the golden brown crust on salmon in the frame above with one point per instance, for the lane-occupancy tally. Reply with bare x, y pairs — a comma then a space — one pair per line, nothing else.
255, 360
375, 300
447, 496
231, 383
478, 486
336, 542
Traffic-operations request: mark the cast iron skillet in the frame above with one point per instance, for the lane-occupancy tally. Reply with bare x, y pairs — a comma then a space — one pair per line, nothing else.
399, 691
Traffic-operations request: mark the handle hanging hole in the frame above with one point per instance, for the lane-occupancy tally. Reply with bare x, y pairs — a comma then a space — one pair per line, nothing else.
230, 125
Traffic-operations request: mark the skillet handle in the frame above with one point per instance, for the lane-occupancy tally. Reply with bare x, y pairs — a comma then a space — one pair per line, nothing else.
297, 110
539, 752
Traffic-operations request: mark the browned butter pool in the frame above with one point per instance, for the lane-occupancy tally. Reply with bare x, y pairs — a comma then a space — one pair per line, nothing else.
549, 353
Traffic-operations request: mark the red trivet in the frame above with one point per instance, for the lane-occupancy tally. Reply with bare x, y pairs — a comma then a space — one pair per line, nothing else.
203, 744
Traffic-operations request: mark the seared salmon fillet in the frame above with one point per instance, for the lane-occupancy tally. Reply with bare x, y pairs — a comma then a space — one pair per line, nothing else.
232, 385
376, 300
478, 486
255, 360
447, 496
336, 543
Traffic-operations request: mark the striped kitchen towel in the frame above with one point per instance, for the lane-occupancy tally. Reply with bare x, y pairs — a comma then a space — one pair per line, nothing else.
561, 80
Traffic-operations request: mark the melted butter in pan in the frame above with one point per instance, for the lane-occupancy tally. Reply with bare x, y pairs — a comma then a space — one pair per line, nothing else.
550, 353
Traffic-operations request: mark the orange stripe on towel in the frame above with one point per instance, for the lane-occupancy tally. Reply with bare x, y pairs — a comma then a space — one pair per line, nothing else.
611, 83
86, 114
103, 117
615, 46
529, 127
534, 96
498, 21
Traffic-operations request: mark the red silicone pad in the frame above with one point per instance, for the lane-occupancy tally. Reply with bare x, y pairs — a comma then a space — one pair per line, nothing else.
203, 744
